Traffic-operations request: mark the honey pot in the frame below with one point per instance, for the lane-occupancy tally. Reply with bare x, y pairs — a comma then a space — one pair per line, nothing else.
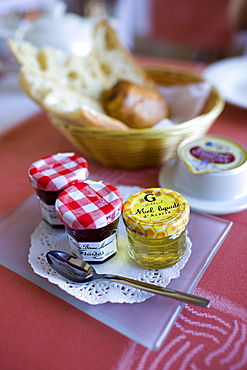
156, 221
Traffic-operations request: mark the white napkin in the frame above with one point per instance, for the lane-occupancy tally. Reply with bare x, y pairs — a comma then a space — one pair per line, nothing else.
185, 102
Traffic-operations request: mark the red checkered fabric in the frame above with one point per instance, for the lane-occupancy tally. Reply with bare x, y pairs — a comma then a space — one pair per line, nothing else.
58, 171
89, 205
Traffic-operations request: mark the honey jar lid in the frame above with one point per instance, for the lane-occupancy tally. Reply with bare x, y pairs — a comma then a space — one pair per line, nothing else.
56, 172
89, 205
156, 213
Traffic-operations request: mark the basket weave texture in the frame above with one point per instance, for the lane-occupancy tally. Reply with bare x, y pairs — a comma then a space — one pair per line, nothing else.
140, 148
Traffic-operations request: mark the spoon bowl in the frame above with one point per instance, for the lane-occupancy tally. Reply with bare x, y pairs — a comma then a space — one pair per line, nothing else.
79, 271
70, 267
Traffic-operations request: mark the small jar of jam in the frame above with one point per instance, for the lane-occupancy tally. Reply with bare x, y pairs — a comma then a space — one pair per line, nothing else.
156, 221
51, 175
90, 211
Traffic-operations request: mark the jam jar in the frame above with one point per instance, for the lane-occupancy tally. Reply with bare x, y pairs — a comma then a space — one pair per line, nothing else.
90, 211
156, 221
50, 175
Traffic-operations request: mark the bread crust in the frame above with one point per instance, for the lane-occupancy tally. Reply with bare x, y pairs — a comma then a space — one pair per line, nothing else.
94, 119
135, 105
84, 111
115, 60
73, 87
81, 74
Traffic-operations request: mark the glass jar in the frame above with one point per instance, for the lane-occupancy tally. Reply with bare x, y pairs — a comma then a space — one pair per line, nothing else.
51, 175
90, 211
156, 221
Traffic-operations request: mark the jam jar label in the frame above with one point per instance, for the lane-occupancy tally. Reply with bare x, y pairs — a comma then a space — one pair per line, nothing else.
49, 213
212, 154
94, 251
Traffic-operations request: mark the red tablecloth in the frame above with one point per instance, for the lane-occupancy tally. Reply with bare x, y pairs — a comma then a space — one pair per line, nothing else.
40, 331
202, 25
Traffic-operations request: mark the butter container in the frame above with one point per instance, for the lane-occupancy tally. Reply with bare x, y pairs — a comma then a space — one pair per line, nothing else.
156, 221
212, 168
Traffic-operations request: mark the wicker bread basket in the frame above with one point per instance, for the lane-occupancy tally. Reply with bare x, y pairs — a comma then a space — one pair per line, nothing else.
139, 148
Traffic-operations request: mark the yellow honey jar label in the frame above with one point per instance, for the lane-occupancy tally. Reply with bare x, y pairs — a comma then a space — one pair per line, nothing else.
156, 213
212, 154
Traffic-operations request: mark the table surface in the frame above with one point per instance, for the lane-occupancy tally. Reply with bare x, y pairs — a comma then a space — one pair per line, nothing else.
38, 330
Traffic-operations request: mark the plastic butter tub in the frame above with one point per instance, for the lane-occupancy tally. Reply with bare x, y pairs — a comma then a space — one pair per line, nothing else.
211, 168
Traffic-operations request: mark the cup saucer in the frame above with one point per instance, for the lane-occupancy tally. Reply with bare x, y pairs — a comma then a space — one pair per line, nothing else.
222, 207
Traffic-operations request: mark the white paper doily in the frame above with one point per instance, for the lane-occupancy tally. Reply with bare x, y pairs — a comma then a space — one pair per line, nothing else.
45, 238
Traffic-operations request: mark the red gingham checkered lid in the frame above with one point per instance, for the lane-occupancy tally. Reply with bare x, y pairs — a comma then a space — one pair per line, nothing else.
89, 205
56, 172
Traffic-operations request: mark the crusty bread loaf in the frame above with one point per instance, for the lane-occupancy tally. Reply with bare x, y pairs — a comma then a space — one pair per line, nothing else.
91, 74
66, 103
115, 61
72, 86
137, 106
80, 74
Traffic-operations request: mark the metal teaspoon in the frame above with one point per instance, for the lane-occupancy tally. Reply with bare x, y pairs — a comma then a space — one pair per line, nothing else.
79, 271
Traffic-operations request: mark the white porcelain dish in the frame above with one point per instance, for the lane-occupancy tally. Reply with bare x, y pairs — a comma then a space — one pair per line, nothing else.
210, 171
229, 76
216, 207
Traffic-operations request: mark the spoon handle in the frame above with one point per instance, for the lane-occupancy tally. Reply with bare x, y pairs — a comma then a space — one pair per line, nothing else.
175, 294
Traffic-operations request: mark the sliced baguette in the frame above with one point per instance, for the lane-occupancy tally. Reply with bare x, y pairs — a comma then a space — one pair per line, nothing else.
65, 103
80, 74
91, 75
115, 60
73, 87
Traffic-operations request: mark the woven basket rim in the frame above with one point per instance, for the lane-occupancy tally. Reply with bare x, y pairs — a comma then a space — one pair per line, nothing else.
179, 71
168, 130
